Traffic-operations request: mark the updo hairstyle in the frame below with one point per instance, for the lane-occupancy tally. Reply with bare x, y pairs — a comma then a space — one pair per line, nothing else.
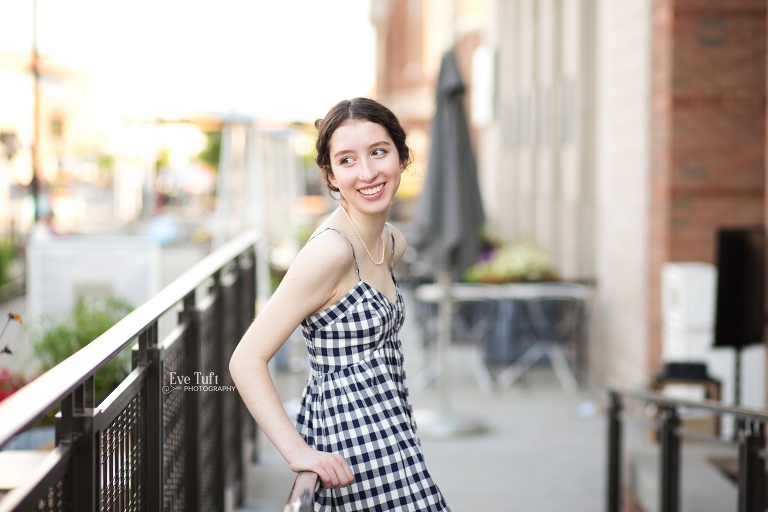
351, 110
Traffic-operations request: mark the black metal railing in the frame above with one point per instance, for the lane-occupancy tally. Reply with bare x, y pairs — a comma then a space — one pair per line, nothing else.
302, 496
151, 444
749, 441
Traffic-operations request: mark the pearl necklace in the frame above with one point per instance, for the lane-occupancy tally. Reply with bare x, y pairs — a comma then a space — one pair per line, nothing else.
361, 239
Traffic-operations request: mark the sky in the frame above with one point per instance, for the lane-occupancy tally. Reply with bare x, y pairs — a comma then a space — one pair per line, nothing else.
273, 59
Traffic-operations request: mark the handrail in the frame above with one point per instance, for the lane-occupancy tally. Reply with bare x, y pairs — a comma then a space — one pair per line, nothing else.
747, 413
750, 442
302, 496
27, 404
151, 445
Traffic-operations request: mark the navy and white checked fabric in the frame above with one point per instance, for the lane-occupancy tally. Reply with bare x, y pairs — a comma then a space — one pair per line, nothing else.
356, 404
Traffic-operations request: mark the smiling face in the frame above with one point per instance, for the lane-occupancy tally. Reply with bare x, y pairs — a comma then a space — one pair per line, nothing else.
365, 165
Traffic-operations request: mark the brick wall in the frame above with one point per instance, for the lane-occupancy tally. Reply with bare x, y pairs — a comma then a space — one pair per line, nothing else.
403, 52
708, 131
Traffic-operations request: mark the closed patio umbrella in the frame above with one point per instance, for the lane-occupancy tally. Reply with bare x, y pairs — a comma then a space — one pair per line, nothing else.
449, 214
450, 209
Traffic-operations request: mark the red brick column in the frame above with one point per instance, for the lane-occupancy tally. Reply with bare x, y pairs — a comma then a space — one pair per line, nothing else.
708, 141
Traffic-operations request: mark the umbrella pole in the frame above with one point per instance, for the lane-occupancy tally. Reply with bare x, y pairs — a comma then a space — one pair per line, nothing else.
443, 423
444, 341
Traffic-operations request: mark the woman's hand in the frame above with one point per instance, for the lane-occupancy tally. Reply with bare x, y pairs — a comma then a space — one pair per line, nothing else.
332, 468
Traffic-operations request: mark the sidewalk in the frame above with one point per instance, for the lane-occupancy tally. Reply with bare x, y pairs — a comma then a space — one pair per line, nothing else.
538, 454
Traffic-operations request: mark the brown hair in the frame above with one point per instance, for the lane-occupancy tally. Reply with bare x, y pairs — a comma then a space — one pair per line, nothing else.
357, 109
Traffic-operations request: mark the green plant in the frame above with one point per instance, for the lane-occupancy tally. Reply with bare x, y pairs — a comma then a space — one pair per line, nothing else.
163, 159
210, 155
7, 255
304, 233
276, 276
55, 339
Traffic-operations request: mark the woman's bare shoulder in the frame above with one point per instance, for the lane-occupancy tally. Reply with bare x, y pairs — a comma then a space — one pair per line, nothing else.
400, 243
327, 252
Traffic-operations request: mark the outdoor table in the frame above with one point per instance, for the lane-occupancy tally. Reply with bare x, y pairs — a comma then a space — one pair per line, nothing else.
508, 291
507, 297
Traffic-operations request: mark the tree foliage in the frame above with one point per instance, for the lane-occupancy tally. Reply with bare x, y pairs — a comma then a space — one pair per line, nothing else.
210, 155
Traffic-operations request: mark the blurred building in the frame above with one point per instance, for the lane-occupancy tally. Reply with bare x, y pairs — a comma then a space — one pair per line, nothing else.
57, 127
411, 38
96, 166
621, 135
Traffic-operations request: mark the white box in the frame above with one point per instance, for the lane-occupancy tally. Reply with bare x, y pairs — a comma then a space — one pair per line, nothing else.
688, 294
681, 344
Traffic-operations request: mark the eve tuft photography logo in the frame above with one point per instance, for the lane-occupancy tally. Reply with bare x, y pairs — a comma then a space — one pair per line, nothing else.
198, 382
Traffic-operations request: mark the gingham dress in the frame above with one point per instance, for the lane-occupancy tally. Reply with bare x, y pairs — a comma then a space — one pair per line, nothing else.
355, 403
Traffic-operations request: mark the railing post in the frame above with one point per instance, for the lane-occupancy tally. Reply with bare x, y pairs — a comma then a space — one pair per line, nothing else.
149, 354
190, 316
751, 467
85, 460
252, 287
64, 436
614, 452
670, 460
217, 290
240, 468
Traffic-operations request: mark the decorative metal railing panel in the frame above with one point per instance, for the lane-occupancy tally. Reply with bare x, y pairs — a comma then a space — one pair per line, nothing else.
230, 403
53, 500
211, 412
121, 453
175, 428
53, 492
153, 444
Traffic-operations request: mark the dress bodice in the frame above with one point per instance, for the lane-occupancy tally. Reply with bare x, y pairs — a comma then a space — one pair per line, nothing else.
351, 329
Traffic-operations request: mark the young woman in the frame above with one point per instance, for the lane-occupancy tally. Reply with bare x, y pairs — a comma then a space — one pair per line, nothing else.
355, 428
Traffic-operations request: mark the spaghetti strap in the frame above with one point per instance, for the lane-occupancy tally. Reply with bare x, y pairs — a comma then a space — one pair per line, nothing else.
392, 262
357, 269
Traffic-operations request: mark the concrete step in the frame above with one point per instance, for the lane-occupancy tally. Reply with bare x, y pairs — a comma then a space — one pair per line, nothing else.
703, 486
